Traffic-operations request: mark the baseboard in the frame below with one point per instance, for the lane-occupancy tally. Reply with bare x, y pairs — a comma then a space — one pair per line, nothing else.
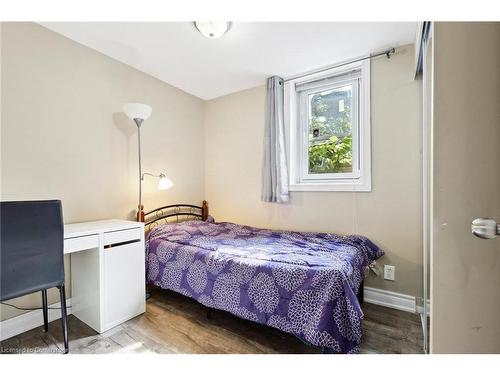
32, 319
420, 309
387, 298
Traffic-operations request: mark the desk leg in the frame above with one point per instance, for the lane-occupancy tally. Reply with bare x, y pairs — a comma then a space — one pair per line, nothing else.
86, 287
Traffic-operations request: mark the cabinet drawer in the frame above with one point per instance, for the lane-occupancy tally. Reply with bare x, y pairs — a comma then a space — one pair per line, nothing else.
119, 236
80, 243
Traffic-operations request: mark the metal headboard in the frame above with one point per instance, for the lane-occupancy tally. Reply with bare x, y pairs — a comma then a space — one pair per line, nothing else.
173, 213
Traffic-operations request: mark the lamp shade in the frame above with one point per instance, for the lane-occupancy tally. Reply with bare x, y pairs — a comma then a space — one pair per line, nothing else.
137, 110
164, 183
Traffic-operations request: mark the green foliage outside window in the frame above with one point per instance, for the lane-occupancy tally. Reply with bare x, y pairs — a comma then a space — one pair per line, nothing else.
332, 156
331, 151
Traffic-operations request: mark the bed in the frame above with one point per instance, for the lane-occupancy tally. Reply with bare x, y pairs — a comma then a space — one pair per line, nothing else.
304, 283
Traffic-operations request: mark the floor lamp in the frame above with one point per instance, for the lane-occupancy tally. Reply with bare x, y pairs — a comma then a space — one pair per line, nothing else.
139, 113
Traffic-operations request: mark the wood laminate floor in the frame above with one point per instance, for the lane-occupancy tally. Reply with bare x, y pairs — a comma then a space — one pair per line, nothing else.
177, 324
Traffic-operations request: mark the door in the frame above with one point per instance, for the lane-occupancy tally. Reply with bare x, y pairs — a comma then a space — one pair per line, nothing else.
465, 184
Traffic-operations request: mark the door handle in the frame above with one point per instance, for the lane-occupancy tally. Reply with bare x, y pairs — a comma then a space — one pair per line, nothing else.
485, 228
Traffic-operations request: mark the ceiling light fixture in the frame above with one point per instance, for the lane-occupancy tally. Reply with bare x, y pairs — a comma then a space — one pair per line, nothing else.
213, 29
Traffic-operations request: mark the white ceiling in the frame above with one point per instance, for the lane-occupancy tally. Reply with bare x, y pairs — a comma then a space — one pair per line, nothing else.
176, 53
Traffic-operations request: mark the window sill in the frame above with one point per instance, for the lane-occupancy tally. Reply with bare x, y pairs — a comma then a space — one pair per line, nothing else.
348, 186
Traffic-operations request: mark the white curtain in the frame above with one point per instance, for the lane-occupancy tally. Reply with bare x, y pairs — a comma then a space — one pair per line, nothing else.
275, 173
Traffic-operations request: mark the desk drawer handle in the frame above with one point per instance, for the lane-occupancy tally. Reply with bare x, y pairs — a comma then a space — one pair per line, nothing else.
120, 244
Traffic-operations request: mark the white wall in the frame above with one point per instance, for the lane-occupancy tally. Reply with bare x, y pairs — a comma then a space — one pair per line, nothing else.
390, 214
64, 135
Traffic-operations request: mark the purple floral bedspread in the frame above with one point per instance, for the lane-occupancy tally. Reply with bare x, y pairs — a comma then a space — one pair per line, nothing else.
302, 283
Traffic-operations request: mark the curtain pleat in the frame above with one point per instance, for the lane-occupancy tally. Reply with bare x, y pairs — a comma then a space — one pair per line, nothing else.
275, 172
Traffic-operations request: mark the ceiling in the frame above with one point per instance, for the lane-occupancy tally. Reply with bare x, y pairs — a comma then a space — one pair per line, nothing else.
176, 53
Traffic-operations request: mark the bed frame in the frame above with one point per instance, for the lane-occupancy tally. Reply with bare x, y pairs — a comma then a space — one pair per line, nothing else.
172, 213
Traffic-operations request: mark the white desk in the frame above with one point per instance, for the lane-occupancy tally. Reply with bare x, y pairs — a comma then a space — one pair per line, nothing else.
107, 271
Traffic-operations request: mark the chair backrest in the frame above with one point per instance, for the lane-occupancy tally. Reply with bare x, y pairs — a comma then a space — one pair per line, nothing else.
31, 247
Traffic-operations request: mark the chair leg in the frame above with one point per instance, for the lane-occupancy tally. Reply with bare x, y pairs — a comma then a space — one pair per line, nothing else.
64, 317
45, 311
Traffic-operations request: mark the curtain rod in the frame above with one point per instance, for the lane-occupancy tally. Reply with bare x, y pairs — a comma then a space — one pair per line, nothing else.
387, 53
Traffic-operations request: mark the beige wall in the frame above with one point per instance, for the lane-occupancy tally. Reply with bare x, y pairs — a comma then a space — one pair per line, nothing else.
465, 270
64, 134
390, 214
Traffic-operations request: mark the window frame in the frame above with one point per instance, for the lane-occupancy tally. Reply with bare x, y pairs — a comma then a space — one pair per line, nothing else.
297, 131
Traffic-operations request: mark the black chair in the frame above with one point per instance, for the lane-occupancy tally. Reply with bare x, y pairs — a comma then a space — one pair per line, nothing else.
32, 253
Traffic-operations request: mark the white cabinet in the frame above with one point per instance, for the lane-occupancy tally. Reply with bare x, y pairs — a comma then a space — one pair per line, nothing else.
124, 285
107, 271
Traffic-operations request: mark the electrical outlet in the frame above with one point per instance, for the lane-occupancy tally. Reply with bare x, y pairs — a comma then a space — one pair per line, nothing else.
389, 272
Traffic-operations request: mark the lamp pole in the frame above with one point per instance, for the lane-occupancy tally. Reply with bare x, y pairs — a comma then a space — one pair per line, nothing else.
139, 122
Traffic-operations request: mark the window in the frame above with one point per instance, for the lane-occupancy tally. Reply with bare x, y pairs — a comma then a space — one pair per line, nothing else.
328, 128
